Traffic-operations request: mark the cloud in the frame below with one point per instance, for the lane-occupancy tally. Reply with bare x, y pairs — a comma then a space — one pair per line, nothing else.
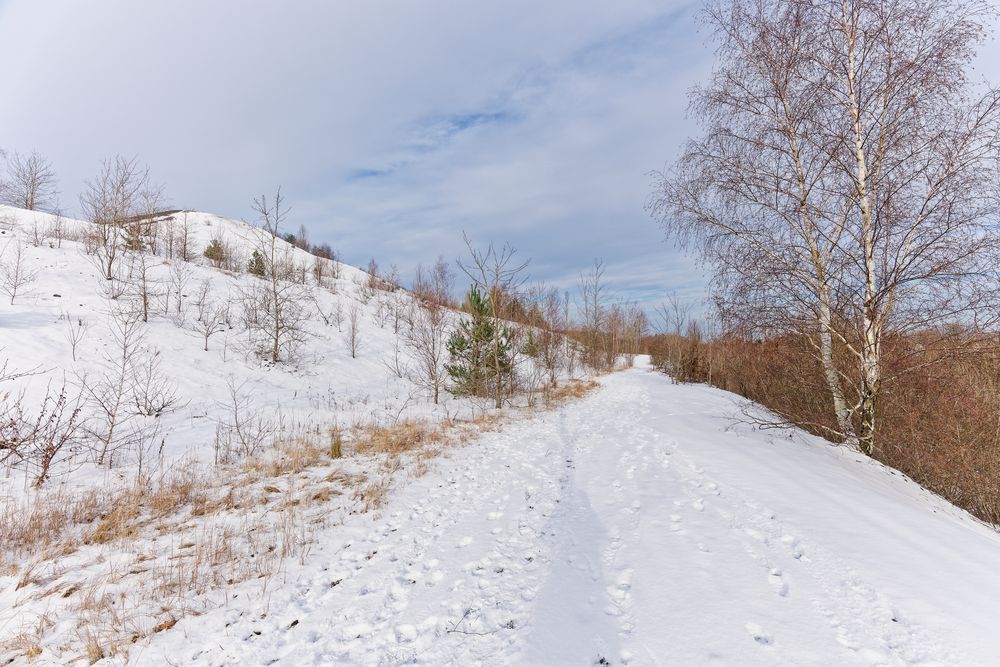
393, 127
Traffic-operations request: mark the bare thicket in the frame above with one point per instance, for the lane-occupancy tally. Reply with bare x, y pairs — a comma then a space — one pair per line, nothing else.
15, 274
274, 308
110, 394
244, 431
152, 394
844, 186
30, 183
498, 274
40, 442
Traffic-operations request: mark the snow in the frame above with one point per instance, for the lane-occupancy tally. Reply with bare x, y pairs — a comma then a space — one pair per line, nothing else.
640, 525
644, 524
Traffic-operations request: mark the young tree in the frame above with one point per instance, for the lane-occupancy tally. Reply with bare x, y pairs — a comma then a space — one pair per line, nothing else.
842, 189
76, 329
480, 351
15, 274
30, 183
215, 253
497, 275
109, 396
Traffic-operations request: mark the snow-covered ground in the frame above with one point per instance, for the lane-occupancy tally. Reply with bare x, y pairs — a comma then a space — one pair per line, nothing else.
641, 525
644, 524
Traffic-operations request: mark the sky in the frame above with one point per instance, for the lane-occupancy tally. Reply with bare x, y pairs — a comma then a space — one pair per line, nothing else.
392, 127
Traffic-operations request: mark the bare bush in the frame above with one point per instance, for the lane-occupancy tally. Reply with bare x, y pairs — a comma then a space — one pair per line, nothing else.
110, 394
153, 395
244, 431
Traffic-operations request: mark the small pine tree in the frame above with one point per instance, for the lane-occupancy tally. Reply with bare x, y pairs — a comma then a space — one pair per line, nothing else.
480, 364
256, 266
215, 253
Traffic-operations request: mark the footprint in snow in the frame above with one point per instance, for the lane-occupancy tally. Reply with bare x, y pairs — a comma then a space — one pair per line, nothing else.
758, 635
775, 579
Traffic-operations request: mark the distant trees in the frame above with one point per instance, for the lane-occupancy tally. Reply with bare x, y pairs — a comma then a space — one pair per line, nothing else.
30, 183
844, 187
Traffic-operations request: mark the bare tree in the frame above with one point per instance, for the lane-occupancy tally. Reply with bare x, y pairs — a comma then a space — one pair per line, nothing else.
30, 182
593, 311
843, 187
111, 202
182, 238
353, 334
427, 338
15, 274
274, 309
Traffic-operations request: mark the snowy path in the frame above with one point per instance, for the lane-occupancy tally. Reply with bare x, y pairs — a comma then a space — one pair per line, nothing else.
636, 526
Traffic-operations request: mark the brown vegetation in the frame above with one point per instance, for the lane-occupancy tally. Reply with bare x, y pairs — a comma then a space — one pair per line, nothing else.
940, 424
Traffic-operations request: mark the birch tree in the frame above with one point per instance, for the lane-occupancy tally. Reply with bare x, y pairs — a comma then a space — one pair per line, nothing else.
841, 186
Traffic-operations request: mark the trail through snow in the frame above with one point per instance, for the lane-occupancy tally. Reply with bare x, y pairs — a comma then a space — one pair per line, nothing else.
641, 525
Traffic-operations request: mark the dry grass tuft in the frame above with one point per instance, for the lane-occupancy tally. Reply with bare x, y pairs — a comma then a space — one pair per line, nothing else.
399, 438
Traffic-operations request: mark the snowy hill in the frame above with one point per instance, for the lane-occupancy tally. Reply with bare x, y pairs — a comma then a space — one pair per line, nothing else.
325, 381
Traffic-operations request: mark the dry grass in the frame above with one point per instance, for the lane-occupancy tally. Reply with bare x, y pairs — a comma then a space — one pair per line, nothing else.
400, 438
570, 391
214, 527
